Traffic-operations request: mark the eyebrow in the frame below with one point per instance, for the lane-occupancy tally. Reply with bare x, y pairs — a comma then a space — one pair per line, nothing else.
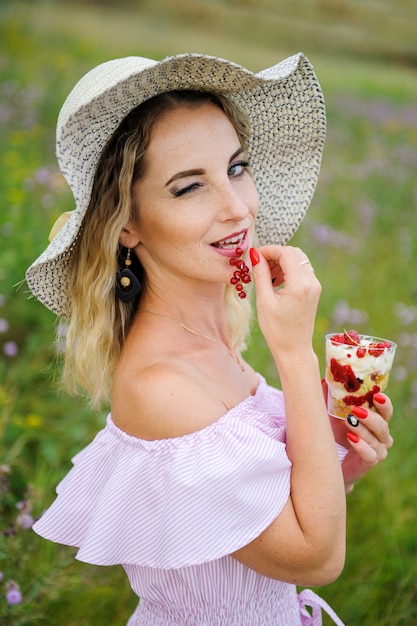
198, 172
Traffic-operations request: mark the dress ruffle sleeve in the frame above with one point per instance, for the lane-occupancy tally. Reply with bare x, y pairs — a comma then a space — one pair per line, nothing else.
175, 502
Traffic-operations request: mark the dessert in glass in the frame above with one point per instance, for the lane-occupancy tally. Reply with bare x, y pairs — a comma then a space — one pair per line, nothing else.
357, 367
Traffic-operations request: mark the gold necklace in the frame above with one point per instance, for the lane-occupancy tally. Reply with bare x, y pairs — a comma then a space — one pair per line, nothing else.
194, 332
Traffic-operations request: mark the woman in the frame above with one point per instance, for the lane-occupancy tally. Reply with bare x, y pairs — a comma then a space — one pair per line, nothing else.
216, 500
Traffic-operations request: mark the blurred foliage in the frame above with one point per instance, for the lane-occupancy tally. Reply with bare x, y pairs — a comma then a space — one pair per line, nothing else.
360, 234
384, 30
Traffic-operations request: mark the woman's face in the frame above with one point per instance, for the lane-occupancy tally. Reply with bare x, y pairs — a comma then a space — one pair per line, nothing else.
196, 202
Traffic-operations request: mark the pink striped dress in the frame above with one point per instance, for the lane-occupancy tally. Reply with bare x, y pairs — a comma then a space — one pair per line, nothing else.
171, 511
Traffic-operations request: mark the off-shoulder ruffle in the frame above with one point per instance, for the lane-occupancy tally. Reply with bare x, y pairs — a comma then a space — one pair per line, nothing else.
175, 502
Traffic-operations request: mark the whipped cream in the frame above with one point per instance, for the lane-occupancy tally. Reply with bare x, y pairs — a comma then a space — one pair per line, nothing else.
362, 366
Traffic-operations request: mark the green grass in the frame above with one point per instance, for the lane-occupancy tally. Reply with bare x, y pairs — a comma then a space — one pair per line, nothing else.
360, 234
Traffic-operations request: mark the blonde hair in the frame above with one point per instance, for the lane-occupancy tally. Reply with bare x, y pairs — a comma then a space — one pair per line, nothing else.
99, 320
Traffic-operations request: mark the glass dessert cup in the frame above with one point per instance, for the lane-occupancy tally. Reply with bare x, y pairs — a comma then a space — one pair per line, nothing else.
357, 367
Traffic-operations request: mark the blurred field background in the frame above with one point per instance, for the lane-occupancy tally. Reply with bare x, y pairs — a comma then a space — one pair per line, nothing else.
360, 234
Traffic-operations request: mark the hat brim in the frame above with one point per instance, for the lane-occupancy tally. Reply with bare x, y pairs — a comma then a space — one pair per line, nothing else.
287, 118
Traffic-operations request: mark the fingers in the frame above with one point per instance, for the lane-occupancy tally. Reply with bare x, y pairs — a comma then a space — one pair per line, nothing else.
369, 433
299, 285
274, 266
284, 261
262, 273
364, 450
286, 316
383, 405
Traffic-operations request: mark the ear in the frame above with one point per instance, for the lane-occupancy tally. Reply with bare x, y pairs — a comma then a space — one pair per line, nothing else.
129, 236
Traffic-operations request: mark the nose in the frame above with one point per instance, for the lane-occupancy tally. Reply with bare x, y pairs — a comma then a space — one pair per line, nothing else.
233, 204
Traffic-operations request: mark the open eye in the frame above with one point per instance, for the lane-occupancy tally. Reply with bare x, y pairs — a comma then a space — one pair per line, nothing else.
238, 168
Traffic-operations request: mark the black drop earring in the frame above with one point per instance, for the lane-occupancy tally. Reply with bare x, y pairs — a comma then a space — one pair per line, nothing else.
128, 286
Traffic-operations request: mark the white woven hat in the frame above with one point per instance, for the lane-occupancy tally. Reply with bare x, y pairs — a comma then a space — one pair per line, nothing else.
287, 127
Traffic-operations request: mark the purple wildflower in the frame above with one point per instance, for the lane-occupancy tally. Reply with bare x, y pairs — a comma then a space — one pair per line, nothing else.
406, 314
10, 348
25, 521
13, 595
4, 325
323, 234
344, 315
42, 176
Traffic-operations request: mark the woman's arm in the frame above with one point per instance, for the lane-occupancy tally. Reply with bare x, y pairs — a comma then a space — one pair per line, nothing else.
306, 543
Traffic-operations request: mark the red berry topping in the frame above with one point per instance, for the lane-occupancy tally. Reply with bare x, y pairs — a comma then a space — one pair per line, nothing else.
337, 339
351, 337
359, 400
239, 251
344, 374
233, 261
376, 349
360, 352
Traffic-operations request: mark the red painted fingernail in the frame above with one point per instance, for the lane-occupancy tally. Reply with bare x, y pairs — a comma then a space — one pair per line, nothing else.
353, 437
380, 398
254, 256
360, 412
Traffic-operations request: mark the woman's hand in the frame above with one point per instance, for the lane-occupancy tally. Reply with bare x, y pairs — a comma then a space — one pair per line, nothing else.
310, 534
287, 295
368, 442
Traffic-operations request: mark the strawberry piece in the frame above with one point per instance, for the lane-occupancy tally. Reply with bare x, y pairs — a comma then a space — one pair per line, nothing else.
351, 337
344, 374
337, 339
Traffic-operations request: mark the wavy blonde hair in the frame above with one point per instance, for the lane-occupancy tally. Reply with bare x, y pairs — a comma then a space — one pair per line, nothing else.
99, 320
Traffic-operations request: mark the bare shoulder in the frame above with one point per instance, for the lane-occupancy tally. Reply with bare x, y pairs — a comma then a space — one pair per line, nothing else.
163, 400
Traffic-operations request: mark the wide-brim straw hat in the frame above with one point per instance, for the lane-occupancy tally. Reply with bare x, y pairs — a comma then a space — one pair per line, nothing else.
287, 118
